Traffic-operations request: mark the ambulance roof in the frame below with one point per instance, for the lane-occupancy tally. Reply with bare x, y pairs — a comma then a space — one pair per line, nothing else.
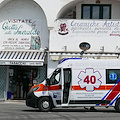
80, 62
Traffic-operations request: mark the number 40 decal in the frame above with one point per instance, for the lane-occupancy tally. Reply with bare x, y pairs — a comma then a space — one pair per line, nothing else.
90, 79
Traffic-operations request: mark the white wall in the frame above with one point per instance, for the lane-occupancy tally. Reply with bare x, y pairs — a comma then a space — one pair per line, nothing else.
52, 8
47, 11
51, 66
115, 7
58, 42
26, 9
100, 37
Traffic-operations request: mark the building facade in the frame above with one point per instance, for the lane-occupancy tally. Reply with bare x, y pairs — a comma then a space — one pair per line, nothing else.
37, 34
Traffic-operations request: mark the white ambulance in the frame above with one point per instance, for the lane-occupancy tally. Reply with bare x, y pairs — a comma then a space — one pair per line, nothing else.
79, 82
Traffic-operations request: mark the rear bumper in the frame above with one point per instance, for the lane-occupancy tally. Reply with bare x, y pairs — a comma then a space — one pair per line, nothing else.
32, 100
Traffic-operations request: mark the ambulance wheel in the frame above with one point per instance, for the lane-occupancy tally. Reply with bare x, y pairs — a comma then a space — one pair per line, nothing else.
117, 105
45, 104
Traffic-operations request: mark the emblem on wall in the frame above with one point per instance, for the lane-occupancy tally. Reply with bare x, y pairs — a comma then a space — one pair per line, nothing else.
62, 27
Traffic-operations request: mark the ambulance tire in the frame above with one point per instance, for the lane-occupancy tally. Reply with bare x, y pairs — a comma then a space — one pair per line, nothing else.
117, 105
45, 104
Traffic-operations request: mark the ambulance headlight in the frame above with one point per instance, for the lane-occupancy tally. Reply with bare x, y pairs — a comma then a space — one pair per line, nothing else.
34, 89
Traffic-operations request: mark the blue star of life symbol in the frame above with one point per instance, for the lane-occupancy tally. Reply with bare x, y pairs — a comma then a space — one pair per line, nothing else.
113, 76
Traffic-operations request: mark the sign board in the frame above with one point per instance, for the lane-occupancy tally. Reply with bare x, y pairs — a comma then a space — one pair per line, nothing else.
22, 63
93, 28
20, 34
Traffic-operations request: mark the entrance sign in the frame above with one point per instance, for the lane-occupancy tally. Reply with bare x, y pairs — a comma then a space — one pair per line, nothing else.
21, 34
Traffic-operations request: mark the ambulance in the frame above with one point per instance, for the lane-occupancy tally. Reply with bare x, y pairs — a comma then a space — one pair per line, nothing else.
78, 82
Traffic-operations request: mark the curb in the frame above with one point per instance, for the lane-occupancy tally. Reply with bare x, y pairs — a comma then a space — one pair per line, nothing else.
15, 101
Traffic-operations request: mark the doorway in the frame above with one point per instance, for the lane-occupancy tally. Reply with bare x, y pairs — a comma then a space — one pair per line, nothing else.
67, 84
16, 74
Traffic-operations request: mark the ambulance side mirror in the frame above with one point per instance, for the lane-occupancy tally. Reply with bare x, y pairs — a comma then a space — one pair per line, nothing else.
47, 82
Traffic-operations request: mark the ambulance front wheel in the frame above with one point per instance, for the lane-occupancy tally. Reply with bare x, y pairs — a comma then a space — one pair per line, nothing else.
117, 105
45, 104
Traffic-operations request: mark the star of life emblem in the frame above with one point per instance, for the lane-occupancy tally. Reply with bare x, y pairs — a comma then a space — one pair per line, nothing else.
89, 79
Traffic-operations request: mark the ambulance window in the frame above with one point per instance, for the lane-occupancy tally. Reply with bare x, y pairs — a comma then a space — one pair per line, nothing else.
112, 76
55, 78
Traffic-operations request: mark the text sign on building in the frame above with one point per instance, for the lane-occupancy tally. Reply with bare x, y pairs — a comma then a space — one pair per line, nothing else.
21, 34
88, 28
22, 63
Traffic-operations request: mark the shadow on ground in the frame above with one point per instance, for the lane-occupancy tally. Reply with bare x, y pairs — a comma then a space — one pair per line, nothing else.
105, 110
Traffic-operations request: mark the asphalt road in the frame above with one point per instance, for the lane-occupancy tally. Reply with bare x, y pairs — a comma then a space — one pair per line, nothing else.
19, 111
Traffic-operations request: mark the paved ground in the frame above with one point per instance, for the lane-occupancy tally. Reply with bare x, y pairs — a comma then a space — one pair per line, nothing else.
19, 111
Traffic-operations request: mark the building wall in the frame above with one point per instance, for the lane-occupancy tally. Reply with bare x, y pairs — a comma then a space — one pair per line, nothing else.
96, 38
47, 12
15, 10
52, 65
44, 10
70, 42
23, 14
115, 7
60, 6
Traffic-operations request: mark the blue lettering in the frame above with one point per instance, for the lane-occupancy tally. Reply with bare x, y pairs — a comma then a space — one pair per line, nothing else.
84, 24
111, 24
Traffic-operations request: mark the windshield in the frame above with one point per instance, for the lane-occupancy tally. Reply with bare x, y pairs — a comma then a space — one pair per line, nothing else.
55, 77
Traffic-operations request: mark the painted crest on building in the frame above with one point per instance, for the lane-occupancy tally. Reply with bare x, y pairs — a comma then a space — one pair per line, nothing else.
63, 27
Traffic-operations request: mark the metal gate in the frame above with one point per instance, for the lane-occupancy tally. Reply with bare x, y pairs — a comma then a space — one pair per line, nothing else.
2, 82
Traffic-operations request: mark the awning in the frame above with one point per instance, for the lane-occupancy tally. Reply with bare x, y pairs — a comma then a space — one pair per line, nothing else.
60, 55
32, 58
